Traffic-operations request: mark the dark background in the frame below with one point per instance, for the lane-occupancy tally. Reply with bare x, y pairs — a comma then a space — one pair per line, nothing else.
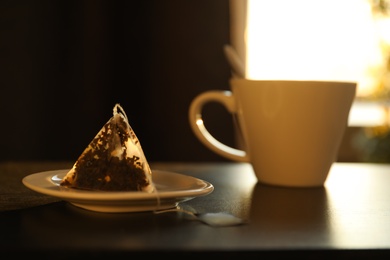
65, 64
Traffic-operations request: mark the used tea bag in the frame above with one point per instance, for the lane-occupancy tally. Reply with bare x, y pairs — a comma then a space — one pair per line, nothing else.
113, 160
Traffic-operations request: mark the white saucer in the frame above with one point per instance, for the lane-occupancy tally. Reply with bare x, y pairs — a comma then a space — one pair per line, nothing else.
172, 188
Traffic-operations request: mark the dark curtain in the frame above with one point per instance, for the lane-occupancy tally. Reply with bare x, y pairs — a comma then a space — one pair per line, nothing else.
64, 65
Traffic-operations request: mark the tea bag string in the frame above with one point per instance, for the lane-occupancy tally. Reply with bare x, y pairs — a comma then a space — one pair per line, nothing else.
122, 111
158, 209
219, 219
158, 199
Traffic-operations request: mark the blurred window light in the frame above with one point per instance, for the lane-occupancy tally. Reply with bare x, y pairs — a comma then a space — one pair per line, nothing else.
332, 40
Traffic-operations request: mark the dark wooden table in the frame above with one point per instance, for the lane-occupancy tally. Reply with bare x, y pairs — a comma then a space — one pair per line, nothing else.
349, 217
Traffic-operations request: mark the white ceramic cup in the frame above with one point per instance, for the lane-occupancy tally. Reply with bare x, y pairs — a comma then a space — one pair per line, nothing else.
291, 130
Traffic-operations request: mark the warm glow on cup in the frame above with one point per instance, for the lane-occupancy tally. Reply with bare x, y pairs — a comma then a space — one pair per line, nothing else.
291, 130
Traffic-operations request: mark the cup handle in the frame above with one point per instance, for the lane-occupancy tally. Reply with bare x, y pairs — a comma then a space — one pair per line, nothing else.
196, 122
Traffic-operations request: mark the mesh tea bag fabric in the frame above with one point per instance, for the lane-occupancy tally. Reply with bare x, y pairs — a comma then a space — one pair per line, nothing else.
113, 160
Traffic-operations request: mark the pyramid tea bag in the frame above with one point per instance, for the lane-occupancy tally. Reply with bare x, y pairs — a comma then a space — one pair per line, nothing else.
113, 160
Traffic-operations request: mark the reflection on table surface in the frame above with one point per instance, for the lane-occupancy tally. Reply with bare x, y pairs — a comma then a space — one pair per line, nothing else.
351, 212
